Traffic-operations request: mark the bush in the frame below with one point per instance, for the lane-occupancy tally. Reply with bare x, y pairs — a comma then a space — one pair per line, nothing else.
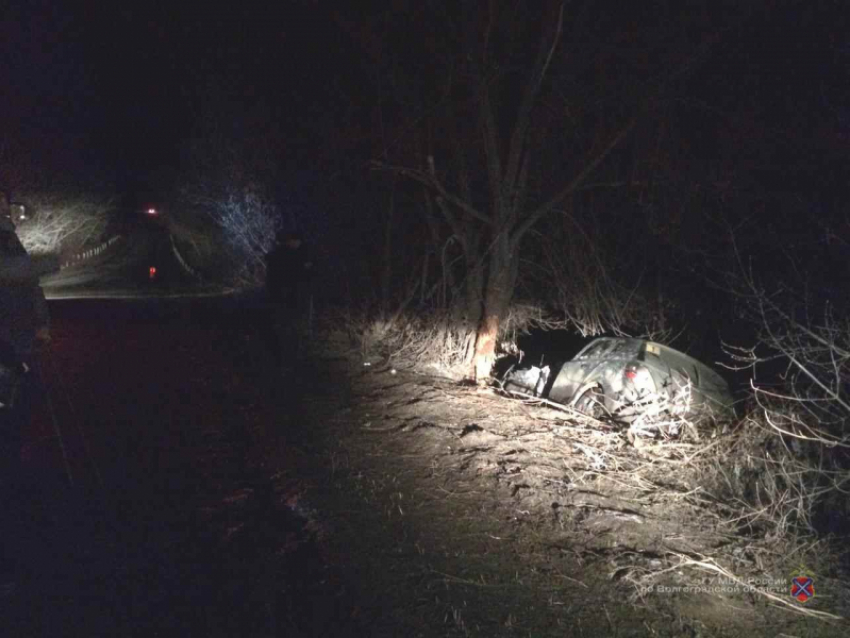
62, 224
798, 449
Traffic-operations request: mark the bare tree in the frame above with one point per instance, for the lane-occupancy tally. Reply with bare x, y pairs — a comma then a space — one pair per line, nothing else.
811, 356
511, 122
490, 214
61, 223
249, 221
230, 173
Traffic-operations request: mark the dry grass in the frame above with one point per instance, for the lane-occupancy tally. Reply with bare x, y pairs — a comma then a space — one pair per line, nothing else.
429, 342
556, 485
403, 341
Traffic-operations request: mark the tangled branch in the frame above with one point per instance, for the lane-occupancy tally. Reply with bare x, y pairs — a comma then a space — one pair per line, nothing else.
58, 223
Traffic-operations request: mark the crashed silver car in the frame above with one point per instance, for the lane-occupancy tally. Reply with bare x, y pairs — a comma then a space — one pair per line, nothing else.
626, 378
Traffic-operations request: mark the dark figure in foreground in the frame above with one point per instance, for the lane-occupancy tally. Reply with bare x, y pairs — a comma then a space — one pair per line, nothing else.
289, 273
23, 323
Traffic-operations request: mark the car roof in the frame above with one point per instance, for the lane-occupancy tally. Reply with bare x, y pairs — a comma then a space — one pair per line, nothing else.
652, 347
659, 349
631, 341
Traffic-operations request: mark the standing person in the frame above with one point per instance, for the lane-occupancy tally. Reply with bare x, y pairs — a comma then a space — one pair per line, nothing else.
289, 271
23, 322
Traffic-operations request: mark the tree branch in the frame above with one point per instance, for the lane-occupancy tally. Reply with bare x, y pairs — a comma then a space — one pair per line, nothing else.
518, 137
491, 149
575, 183
431, 181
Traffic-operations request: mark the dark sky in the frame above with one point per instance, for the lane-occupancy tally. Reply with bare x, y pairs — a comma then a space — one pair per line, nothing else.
118, 87
114, 89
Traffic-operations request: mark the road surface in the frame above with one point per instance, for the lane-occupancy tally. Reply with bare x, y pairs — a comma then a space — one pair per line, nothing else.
143, 507
147, 512
124, 270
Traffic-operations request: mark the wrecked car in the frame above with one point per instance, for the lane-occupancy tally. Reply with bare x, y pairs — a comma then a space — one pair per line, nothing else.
626, 378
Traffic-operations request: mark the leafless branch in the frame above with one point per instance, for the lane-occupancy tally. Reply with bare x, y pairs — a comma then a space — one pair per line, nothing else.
537, 214
58, 223
431, 180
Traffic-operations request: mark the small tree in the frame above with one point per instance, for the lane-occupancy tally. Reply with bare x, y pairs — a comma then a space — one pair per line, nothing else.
62, 223
229, 176
507, 117
249, 221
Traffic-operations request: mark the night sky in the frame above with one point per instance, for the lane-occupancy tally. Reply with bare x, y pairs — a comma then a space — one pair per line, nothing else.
109, 93
114, 89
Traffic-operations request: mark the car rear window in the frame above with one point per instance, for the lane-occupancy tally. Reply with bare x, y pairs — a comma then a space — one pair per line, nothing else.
626, 349
611, 349
595, 350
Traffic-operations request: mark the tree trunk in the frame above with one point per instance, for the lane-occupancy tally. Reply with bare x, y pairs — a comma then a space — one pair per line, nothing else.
473, 298
503, 268
387, 270
423, 290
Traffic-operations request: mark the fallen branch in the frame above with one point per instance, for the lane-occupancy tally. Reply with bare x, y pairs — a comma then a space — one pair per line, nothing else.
580, 416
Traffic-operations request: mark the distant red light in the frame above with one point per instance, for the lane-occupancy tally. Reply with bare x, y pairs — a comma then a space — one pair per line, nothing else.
152, 272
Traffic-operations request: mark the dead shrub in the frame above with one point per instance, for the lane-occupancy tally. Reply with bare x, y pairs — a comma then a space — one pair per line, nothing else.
430, 342
590, 287
801, 417
61, 223
771, 486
